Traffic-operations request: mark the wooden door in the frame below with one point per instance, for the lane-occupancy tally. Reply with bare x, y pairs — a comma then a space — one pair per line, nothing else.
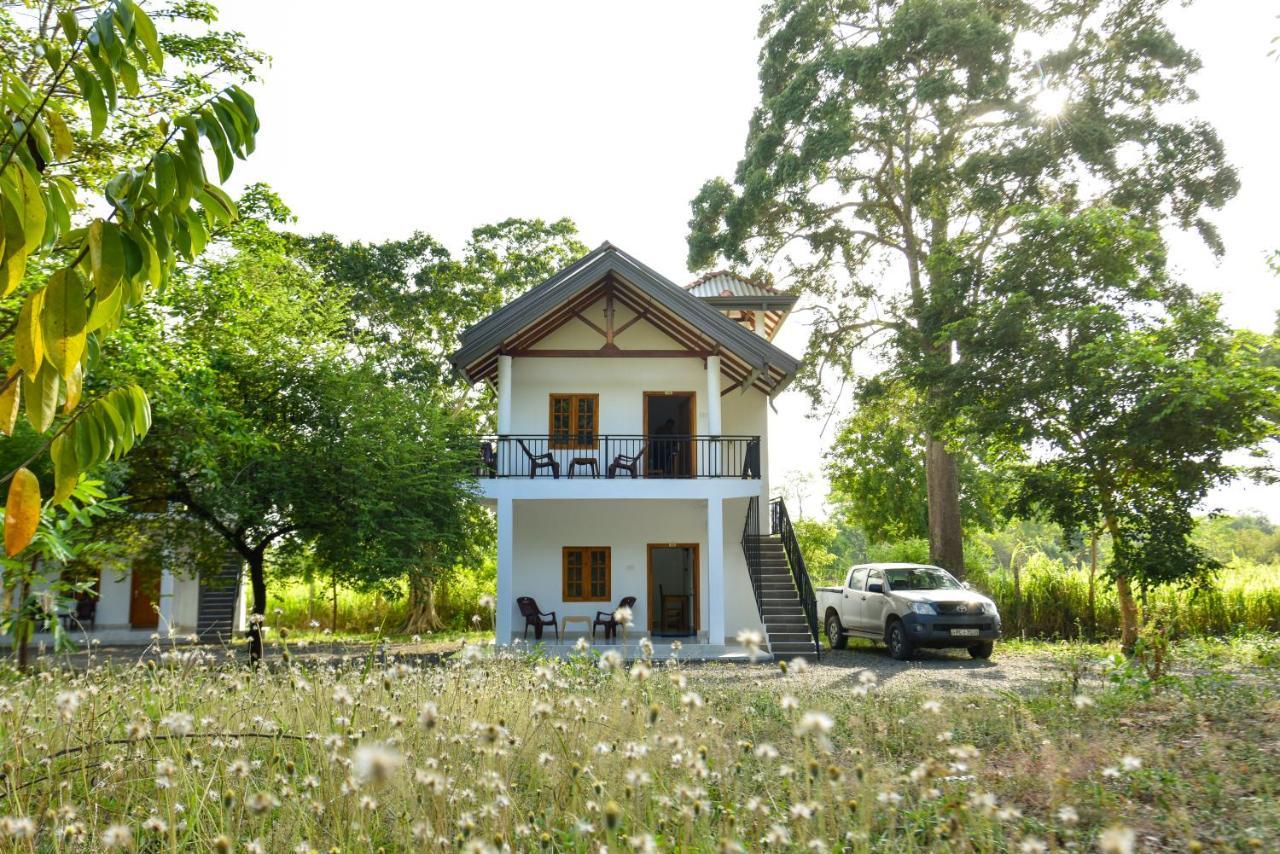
144, 596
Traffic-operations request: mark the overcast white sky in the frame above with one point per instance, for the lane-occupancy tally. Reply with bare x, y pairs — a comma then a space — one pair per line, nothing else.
383, 118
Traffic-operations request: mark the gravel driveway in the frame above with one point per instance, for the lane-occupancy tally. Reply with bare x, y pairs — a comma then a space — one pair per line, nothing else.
943, 670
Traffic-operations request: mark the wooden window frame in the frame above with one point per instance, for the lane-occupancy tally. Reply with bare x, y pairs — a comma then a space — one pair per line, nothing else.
573, 443
586, 551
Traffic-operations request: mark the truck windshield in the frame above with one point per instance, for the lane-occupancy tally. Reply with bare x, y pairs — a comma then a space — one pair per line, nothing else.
921, 578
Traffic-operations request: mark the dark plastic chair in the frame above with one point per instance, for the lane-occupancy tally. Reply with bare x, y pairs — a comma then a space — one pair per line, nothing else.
629, 463
609, 621
540, 461
84, 614
534, 617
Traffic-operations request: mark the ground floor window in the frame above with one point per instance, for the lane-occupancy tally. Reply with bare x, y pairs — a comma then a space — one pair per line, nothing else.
586, 573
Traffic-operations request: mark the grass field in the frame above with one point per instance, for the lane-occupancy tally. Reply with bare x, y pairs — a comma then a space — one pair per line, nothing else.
1054, 601
489, 753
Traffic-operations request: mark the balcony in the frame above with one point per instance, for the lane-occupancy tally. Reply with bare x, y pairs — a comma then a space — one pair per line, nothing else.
619, 457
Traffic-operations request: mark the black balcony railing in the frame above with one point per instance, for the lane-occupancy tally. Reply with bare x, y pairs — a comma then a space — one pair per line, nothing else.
619, 456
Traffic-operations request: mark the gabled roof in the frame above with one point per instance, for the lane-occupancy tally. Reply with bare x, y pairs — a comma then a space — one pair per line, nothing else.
767, 367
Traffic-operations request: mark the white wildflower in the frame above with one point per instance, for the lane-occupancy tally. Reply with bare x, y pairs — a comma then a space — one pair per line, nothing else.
752, 641
117, 836
178, 723
1116, 840
375, 763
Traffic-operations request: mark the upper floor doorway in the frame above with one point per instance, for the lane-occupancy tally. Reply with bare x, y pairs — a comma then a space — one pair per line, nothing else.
670, 422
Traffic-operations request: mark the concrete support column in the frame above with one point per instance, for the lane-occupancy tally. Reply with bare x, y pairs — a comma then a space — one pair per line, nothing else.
713, 396
506, 550
713, 450
715, 570
166, 602
504, 395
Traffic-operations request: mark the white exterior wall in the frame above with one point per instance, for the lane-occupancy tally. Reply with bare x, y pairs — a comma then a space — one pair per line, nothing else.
186, 602
114, 588
544, 527
620, 382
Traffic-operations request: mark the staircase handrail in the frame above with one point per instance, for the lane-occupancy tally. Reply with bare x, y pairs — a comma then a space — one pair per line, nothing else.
780, 523
751, 550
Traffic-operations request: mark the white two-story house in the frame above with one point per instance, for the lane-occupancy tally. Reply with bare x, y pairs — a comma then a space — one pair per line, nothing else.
631, 456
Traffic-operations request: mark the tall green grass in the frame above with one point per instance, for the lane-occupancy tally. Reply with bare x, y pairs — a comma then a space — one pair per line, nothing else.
1051, 597
1052, 600
301, 606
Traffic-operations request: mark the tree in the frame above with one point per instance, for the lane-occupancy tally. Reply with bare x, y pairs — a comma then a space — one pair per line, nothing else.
410, 301
1129, 387
300, 406
876, 467
817, 543
897, 145
69, 279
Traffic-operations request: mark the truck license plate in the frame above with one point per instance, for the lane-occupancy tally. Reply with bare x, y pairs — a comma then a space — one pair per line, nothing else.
964, 633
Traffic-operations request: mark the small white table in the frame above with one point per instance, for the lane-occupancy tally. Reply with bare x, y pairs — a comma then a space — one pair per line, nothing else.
575, 618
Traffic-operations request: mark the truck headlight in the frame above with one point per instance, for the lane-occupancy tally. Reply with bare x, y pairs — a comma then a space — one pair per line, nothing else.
924, 608
990, 608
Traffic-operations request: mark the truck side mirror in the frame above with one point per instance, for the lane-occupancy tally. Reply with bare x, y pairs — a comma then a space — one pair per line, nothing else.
875, 587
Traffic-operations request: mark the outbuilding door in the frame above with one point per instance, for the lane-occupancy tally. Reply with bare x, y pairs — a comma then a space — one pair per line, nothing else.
144, 595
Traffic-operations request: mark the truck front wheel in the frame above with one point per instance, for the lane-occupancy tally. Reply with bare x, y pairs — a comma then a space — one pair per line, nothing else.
982, 650
835, 632
899, 644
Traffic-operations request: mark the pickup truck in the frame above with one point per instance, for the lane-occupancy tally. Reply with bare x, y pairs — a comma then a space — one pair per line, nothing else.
908, 605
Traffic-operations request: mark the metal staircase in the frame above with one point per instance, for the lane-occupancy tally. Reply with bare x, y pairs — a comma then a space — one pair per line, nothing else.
784, 595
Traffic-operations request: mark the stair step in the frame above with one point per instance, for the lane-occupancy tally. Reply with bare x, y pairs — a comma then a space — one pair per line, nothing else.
796, 650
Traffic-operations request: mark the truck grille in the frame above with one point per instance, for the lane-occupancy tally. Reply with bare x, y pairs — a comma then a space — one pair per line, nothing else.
957, 608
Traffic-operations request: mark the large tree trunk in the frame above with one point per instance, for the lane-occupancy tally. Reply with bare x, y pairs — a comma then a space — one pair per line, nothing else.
1093, 584
258, 582
1128, 615
422, 604
946, 538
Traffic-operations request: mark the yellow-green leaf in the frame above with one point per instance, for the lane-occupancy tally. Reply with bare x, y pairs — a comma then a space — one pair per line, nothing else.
10, 400
62, 320
28, 342
146, 31
13, 255
63, 145
33, 210
42, 396
74, 387
66, 467
106, 312
106, 255
21, 511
